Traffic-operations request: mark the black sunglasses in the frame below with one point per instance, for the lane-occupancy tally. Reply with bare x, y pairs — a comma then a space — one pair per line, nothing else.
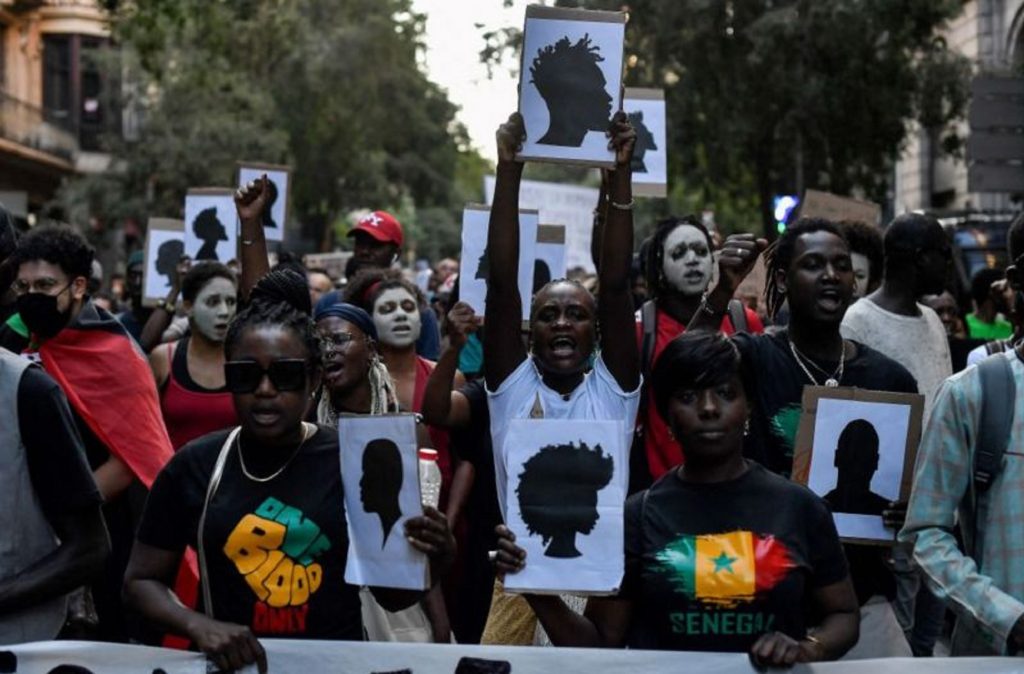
244, 376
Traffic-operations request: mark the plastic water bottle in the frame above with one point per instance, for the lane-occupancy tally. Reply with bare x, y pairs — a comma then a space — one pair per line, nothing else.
430, 477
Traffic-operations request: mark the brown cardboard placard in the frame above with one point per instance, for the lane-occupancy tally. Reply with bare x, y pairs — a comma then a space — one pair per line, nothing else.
804, 450
818, 204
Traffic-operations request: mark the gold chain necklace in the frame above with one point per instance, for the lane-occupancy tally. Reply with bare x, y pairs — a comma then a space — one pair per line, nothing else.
245, 471
830, 382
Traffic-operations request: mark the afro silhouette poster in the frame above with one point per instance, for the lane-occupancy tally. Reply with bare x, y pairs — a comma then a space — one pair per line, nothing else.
474, 268
856, 450
566, 485
646, 110
570, 83
279, 176
165, 244
211, 224
379, 472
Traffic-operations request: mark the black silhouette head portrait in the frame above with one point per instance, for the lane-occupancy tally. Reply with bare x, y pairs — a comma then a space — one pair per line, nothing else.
856, 461
558, 494
572, 85
381, 483
268, 211
483, 268
211, 230
644, 141
167, 257
541, 275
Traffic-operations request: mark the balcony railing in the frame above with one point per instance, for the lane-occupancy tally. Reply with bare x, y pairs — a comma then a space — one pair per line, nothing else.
26, 125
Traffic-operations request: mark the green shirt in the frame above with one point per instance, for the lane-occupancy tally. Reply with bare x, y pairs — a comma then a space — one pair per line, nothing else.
979, 329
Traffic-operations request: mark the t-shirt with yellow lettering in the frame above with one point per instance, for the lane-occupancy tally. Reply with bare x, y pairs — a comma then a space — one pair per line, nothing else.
275, 550
711, 567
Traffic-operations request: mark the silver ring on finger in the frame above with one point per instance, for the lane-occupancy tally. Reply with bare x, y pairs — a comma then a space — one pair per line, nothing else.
492, 556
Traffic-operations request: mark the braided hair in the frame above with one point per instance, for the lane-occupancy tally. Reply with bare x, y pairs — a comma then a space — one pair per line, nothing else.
279, 299
780, 254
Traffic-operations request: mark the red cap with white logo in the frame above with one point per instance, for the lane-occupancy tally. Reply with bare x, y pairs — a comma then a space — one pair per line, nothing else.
381, 225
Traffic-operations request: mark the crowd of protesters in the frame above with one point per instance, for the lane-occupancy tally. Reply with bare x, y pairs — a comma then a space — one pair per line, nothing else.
142, 445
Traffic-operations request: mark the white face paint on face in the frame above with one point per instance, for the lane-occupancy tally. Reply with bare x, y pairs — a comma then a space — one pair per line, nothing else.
397, 318
686, 260
213, 309
861, 274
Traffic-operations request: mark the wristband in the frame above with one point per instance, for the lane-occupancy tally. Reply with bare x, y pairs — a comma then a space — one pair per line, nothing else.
622, 207
706, 307
166, 306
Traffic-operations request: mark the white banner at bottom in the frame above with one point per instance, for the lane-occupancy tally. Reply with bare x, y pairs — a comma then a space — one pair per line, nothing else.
312, 657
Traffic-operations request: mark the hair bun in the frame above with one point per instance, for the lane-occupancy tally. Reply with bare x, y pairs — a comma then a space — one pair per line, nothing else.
283, 286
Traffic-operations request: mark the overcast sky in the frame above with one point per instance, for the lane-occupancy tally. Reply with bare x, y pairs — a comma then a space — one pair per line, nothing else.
452, 60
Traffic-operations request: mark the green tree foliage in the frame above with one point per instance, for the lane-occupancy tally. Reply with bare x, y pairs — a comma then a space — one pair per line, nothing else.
331, 87
770, 96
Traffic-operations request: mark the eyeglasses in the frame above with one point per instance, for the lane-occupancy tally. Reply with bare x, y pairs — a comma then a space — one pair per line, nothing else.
337, 341
244, 376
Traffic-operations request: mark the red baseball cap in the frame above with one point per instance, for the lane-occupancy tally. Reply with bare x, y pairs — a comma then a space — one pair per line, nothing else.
381, 225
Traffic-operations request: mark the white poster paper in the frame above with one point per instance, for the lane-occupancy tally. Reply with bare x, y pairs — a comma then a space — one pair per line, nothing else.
564, 495
165, 244
857, 462
379, 470
211, 225
569, 205
646, 110
549, 257
570, 83
473, 268
279, 176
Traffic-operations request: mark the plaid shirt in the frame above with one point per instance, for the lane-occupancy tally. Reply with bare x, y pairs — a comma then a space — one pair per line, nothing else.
991, 599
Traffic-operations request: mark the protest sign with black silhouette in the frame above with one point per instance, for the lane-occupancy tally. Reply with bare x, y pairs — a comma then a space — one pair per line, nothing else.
570, 83
549, 256
276, 216
165, 244
211, 224
566, 484
856, 450
646, 110
473, 273
379, 470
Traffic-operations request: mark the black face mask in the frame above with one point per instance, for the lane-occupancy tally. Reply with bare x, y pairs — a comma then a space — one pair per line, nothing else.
40, 314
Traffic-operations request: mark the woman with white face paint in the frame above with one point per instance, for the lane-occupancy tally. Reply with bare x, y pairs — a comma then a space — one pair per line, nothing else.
190, 372
679, 267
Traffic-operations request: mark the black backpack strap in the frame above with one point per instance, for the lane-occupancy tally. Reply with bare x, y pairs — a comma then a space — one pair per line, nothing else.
998, 397
649, 325
639, 468
738, 316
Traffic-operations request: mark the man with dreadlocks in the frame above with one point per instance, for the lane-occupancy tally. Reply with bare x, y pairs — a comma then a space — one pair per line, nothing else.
810, 266
572, 85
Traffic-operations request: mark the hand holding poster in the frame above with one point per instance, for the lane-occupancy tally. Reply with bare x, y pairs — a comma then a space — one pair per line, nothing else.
565, 489
646, 110
379, 471
856, 450
165, 244
474, 268
570, 83
211, 224
275, 219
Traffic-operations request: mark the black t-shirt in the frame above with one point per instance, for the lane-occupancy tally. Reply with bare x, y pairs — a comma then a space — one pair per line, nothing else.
474, 445
60, 476
778, 383
710, 568
275, 551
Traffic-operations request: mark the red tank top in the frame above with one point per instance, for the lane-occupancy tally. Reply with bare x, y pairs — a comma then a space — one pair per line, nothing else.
191, 412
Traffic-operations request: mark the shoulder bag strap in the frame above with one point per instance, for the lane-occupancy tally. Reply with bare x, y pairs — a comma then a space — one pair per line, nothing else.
738, 316
649, 325
998, 394
211, 489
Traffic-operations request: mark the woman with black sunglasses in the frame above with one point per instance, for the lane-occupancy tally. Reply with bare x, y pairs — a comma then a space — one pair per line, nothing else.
263, 504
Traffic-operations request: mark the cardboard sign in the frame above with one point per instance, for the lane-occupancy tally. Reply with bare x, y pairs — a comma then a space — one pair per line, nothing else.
275, 220
165, 244
549, 255
816, 204
646, 110
856, 450
380, 473
211, 224
474, 268
570, 83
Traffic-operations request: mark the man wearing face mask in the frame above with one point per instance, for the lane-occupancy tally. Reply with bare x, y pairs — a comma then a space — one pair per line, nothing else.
679, 269
107, 381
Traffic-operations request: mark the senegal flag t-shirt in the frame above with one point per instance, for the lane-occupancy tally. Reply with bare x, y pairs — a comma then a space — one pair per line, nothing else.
711, 567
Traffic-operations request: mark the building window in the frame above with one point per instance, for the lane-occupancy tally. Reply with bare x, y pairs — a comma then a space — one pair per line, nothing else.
76, 94
57, 71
